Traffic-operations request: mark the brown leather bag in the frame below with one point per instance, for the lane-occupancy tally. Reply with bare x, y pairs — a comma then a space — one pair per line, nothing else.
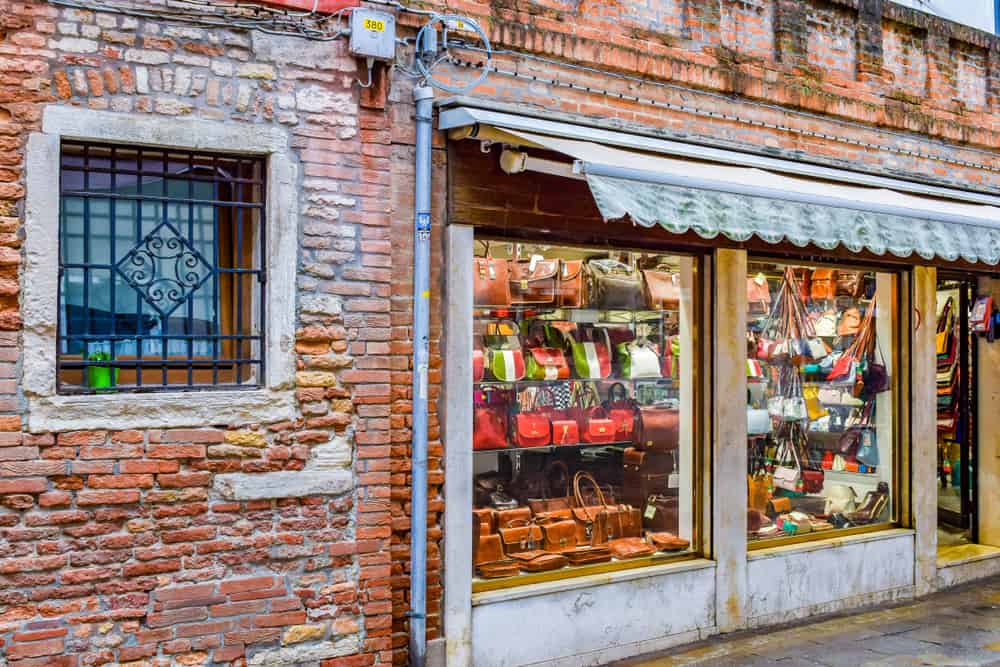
657, 428
663, 290
661, 513
630, 547
488, 548
491, 286
850, 323
514, 517
588, 555
849, 283
521, 538
668, 541
498, 569
625, 522
539, 561
822, 284
551, 500
613, 285
487, 520
534, 284
571, 294
559, 535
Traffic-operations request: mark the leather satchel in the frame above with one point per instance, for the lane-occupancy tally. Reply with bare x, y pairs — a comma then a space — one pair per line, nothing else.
549, 502
630, 547
499, 569
657, 428
513, 517
559, 535
534, 281
620, 409
488, 548
667, 541
546, 363
491, 285
598, 430
823, 285
539, 561
849, 283
570, 284
663, 290
489, 427
486, 518
661, 513
588, 555
532, 429
516, 539
758, 295
614, 286
639, 360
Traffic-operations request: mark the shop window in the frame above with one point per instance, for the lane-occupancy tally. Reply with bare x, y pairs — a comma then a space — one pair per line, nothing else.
585, 436
821, 415
160, 263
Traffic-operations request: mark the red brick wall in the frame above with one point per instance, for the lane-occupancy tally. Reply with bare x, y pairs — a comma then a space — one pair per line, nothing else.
113, 548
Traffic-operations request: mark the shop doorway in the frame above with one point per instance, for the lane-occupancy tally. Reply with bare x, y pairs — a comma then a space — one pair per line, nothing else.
957, 431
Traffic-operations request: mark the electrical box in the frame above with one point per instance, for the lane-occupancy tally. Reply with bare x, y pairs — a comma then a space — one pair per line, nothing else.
373, 34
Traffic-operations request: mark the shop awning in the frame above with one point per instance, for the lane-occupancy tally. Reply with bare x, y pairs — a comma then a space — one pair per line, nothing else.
739, 201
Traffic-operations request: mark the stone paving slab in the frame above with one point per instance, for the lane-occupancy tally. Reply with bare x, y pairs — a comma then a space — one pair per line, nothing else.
956, 628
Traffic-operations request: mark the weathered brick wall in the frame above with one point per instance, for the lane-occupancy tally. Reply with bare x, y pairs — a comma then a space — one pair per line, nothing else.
114, 548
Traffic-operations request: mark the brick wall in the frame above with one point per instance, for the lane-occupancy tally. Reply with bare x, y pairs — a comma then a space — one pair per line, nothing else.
114, 547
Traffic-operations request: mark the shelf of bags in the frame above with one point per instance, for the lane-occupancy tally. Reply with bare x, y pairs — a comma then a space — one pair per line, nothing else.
550, 448
545, 383
583, 315
847, 476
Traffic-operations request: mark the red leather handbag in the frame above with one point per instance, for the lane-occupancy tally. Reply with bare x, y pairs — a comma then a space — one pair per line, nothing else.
532, 427
598, 429
565, 432
478, 367
621, 410
546, 363
489, 427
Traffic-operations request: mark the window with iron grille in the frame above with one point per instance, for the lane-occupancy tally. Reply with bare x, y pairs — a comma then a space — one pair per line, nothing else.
160, 269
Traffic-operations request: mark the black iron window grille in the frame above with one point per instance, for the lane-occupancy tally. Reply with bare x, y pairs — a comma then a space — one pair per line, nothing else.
161, 269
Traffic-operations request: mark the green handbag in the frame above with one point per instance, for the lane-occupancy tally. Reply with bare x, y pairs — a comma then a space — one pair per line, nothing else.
592, 360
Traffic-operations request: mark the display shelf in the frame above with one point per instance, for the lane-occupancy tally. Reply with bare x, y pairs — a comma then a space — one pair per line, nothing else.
667, 382
549, 448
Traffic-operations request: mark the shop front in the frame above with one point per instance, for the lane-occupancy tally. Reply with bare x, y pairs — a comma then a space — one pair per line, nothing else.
687, 391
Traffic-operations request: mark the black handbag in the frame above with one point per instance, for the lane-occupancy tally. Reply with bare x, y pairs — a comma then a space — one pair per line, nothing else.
614, 285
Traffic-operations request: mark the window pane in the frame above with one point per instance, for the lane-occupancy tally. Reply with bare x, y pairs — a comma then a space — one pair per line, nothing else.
821, 412
148, 298
584, 411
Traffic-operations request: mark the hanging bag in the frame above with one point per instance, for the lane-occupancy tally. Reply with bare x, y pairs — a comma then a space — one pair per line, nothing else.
639, 360
490, 285
663, 289
533, 281
613, 285
591, 359
489, 421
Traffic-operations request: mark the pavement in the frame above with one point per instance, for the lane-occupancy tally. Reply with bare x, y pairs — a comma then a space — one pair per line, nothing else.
956, 628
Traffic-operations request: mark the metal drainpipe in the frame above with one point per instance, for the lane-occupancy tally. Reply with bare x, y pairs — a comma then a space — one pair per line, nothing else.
424, 97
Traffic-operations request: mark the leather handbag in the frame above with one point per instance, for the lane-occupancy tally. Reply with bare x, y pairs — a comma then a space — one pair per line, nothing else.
758, 295
614, 286
532, 429
525, 536
788, 473
489, 427
498, 569
571, 293
849, 283
823, 285
511, 517
598, 430
663, 290
539, 561
639, 360
549, 500
591, 358
630, 547
486, 518
657, 428
534, 281
487, 548
559, 535
620, 409
588, 555
667, 541
758, 491
490, 281
661, 513
565, 432
546, 363
850, 322
812, 480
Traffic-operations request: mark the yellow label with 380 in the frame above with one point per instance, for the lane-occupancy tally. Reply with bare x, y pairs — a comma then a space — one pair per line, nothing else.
375, 25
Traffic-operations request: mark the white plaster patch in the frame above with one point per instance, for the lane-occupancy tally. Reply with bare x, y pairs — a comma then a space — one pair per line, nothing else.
283, 484
294, 655
320, 100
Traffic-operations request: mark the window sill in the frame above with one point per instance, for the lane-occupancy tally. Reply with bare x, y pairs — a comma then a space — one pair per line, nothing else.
831, 542
588, 581
158, 410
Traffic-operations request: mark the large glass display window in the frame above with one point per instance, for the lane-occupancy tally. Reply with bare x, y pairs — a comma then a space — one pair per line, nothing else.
822, 360
585, 428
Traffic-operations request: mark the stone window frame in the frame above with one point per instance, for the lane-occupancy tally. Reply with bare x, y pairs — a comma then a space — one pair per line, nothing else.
49, 411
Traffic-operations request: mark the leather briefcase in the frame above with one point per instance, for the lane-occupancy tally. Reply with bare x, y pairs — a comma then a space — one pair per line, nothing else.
588, 555
668, 541
514, 517
570, 284
491, 282
498, 569
539, 561
534, 282
661, 513
657, 428
663, 290
521, 538
613, 285
630, 547
559, 535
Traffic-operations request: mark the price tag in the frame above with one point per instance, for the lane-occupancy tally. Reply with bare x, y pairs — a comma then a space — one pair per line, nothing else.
650, 512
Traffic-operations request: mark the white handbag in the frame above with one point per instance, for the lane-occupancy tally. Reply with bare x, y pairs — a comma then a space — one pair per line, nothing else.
840, 498
644, 362
758, 422
817, 348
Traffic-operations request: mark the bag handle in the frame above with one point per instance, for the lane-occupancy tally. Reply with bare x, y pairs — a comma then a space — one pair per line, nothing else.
582, 476
486, 245
611, 392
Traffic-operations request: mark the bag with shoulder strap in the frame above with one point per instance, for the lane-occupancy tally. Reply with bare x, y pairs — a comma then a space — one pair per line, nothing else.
490, 281
663, 289
534, 281
639, 360
613, 285
591, 358
571, 293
